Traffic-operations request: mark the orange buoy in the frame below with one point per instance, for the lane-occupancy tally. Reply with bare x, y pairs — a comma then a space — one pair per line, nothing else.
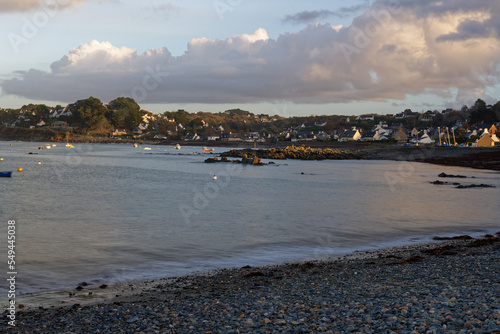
19, 169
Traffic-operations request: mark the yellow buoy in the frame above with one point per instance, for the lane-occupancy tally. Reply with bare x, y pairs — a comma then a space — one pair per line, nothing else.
19, 169
39, 162
1, 159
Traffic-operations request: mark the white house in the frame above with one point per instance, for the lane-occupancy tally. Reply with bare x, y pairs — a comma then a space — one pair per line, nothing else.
369, 136
350, 135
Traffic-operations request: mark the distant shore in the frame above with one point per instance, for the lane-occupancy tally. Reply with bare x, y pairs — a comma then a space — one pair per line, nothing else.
447, 286
479, 158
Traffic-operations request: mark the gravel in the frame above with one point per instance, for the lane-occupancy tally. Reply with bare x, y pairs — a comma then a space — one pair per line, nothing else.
446, 287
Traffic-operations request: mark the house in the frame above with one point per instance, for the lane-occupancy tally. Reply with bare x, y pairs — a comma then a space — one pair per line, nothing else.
213, 137
41, 123
60, 112
228, 136
470, 133
172, 130
252, 136
370, 117
336, 134
118, 133
426, 118
298, 136
486, 141
383, 129
192, 137
322, 135
401, 136
351, 135
143, 125
163, 137
425, 139
310, 136
370, 136
59, 124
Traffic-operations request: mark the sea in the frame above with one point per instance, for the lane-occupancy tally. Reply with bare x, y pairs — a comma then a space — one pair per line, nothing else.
110, 213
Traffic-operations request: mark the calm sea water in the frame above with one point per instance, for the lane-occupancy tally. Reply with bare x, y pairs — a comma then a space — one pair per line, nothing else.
110, 213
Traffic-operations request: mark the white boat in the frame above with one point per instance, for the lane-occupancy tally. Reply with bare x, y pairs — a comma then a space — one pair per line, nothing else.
47, 146
147, 148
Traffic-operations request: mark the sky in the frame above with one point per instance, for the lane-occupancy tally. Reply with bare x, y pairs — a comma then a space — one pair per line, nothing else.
287, 58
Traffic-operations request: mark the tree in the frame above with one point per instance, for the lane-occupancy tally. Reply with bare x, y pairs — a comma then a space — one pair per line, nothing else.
124, 113
90, 114
481, 113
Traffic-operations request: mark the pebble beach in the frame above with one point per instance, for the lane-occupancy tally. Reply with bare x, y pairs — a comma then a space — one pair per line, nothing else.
450, 286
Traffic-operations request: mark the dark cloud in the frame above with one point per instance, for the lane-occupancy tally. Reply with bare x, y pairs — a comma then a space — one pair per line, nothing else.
308, 16
468, 30
317, 15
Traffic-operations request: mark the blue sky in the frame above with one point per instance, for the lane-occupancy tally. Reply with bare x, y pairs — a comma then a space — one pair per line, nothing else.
275, 57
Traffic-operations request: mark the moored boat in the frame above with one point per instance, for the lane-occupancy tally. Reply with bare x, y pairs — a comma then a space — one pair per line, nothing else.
5, 174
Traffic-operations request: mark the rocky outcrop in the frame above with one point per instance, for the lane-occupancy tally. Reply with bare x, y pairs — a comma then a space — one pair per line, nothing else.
293, 152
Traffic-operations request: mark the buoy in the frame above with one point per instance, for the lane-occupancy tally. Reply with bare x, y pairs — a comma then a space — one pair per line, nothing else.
39, 162
19, 169
215, 177
1, 159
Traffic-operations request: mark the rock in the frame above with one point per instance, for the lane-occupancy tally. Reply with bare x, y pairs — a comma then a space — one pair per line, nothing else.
451, 175
475, 186
133, 319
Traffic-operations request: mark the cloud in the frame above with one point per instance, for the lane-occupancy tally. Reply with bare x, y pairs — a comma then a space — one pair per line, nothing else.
316, 15
308, 16
26, 5
166, 10
391, 51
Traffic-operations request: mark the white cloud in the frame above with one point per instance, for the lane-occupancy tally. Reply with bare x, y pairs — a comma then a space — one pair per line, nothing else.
389, 52
25, 5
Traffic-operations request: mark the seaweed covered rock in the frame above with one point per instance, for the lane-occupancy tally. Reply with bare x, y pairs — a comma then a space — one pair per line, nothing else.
293, 152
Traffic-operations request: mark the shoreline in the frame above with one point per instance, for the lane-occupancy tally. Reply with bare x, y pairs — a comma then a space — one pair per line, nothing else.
476, 158
455, 266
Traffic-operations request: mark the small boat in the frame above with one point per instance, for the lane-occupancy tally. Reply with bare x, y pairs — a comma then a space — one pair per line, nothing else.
147, 148
5, 174
68, 145
48, 146
207, 150
135, 145
177, 147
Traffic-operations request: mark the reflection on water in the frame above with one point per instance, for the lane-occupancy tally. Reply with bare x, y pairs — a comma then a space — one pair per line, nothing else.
105, 212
